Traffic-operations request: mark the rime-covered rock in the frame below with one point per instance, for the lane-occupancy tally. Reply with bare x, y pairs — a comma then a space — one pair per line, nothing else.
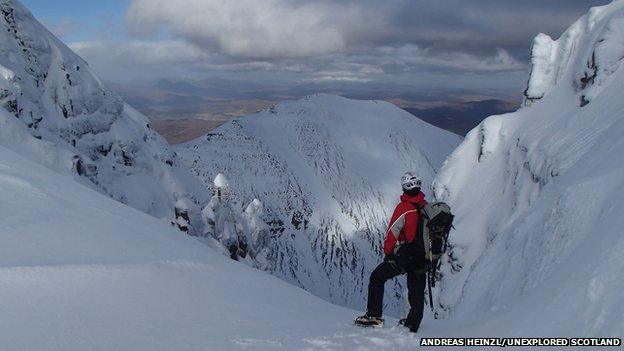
241, 234
258, 233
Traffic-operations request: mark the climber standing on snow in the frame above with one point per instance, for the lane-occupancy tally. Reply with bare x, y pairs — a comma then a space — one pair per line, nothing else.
404, 254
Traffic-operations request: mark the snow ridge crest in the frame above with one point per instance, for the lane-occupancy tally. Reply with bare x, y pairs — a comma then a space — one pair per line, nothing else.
582, 59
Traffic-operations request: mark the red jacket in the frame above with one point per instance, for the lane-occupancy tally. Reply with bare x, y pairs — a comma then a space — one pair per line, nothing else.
404, 222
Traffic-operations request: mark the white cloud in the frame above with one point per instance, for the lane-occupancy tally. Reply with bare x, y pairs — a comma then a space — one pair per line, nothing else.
63, 26
148, 59
131, 60
249, 28
141, 52
335, 78
322, 40
410, 57
340, 70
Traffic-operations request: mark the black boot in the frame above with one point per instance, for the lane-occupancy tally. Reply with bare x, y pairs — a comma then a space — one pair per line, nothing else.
406, 324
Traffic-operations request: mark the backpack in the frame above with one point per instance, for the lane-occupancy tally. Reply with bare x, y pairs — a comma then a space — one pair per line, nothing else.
422, 254
435, 225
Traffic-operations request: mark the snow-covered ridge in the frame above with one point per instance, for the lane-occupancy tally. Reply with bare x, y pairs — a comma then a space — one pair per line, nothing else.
55, 110
570, 61
327, 170
538, 194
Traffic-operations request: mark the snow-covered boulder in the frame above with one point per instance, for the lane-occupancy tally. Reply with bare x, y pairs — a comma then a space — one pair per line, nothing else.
327, 170
55, 110
538, 195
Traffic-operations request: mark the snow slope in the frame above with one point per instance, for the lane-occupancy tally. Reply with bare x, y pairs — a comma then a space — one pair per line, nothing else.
79, 271
327, 170
54, 109
538, 194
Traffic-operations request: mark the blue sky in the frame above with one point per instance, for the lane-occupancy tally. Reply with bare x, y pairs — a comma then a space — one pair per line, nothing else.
79, 20
476, 44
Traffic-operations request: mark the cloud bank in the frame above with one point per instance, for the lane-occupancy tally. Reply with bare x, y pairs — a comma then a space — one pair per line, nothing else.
341, 40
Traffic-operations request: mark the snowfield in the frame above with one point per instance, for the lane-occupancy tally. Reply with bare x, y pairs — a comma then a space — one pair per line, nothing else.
79, 271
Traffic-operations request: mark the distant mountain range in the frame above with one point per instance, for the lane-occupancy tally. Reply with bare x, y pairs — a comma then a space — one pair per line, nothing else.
182, 110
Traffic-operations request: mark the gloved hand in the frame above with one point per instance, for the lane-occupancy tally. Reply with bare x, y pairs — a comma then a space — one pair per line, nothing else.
390, 257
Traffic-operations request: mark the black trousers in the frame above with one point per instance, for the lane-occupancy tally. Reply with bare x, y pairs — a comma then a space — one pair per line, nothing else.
415, 287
